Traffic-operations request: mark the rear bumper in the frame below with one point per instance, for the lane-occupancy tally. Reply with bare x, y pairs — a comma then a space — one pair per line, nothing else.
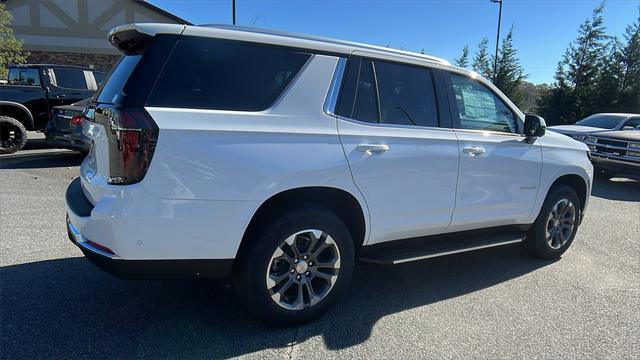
79, 213
63, 140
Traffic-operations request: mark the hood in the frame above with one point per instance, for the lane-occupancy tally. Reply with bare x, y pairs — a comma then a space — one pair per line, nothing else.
575, 129
629, 135
554, 139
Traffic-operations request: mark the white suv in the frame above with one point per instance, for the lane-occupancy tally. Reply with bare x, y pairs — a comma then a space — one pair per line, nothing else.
278, 160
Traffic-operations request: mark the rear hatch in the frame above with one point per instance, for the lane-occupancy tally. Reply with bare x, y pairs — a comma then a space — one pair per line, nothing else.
123, 135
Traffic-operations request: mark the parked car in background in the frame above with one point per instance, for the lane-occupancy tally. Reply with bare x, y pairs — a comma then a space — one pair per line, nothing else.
615, 153
64, 130
598, 122
32, 91
279, 159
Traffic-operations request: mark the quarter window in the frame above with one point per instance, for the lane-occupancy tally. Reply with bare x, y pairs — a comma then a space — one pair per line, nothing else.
225, 75
479, 108
407, 96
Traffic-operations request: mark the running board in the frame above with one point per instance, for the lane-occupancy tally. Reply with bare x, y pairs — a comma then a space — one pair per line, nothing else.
420, 250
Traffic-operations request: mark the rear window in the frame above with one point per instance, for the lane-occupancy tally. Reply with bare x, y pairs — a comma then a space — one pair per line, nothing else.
225, 75
111, 90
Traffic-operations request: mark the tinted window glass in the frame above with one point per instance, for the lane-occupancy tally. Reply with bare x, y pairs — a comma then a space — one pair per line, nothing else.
632, 123
99, 76
479, 108
358, 95
27, 77
111, 90
225, 75
406, 95
365, 106
69, 78
601, 121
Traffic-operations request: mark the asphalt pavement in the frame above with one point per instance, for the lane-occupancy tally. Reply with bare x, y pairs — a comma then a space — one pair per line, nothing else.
495, 303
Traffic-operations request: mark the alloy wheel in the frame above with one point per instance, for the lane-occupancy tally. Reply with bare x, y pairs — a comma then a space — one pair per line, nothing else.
303, 269
10, 135
560, 223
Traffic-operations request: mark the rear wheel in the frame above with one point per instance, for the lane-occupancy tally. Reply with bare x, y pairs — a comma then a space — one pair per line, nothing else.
295, 268
13, 135
553, 231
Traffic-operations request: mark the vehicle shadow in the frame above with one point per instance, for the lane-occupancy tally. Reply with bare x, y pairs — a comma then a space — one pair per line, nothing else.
34, 160
620, 189
68, 308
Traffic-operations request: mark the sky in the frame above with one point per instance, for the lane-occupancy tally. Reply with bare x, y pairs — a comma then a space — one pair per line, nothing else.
542, 28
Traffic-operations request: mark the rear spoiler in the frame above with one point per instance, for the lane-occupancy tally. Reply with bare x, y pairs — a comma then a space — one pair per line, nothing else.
132, 39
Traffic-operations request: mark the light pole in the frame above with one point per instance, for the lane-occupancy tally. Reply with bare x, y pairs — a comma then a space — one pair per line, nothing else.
233, 10
495, 59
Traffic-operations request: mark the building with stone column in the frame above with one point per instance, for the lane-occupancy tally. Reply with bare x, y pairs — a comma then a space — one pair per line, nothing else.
74, 32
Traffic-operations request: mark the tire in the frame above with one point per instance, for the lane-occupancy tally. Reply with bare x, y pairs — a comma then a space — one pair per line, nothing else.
13, 135
257, 262
539, 241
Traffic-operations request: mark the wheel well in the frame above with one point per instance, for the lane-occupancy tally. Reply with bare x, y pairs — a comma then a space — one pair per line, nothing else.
18, 114
575, 182
341, 202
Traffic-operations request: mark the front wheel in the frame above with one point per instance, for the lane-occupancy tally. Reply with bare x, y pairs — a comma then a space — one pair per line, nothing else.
296, 267
13, 135
553, 231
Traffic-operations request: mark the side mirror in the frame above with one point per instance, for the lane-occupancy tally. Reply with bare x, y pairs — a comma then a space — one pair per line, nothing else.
534, 126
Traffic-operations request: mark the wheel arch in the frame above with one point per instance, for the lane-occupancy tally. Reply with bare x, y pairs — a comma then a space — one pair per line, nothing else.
347, 206
18, 112
577, 183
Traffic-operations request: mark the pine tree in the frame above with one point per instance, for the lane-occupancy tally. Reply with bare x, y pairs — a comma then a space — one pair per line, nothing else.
629, 98
481, 63
608, 87
463, 60
509, 73
578, 73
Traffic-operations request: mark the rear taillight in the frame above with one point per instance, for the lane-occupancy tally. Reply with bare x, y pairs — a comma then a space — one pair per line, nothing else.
132, 140
76, 120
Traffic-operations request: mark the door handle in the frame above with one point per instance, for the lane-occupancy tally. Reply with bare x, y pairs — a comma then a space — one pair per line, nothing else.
473, 150
58, 96
373, 148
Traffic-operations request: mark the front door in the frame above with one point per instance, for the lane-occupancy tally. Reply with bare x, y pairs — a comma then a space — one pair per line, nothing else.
499, 170
404, 164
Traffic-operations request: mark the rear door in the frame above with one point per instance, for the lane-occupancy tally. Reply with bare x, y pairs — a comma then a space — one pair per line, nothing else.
69, 85
499, 170
402, 160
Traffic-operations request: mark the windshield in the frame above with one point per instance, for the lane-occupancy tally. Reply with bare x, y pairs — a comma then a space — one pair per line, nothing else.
601, 121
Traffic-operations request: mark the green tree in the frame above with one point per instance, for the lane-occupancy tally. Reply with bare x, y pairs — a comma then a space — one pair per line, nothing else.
481, 61
509, 72
608, 88
629, 98
463, 60
576, 81
10, 47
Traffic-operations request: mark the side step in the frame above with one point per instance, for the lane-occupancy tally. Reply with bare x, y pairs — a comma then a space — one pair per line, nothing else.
420, 249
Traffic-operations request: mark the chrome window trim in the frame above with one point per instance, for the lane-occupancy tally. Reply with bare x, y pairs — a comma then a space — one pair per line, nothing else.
392, 126
490, 132
331, 98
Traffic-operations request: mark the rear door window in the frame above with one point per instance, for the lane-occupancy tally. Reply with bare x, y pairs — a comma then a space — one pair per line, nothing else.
69, 78
225, 75
407, 95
